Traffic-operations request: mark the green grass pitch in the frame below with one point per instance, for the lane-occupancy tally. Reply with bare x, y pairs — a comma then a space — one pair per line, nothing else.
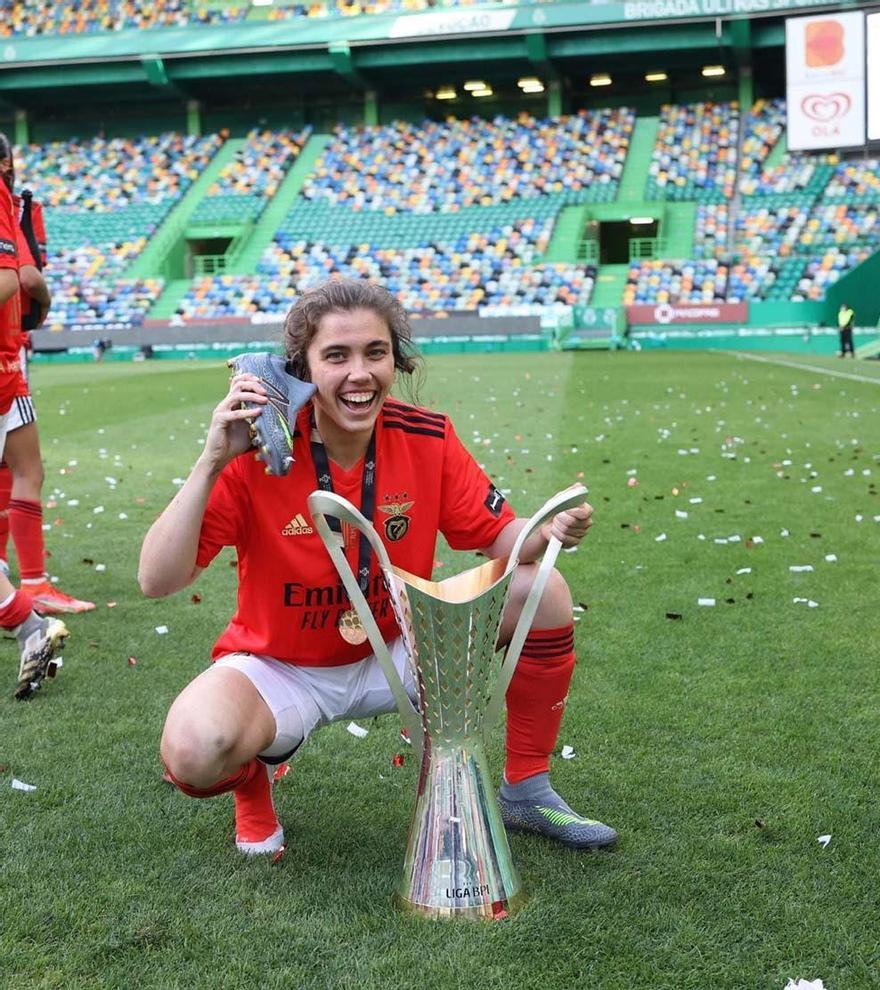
721, 744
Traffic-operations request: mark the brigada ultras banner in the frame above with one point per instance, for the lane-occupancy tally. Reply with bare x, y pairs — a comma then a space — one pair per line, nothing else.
668, 313
825, 62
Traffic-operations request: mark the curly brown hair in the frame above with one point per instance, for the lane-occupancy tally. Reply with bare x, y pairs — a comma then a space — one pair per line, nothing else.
343, 295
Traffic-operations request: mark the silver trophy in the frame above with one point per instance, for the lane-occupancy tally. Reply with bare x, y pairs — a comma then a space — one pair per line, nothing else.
458, 862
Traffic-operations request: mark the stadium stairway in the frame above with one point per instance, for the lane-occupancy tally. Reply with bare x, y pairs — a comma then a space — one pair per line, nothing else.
149, 262
567, 235
638, 159
679, 226
166, 304
777, 153
279, 205
610, 282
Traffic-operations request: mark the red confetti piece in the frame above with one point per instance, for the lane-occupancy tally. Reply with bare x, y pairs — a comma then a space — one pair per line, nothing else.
282, 770
276, 856
132, 661
195, 599
397, 760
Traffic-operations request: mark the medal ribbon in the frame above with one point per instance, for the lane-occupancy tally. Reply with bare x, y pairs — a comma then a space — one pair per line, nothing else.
368, 498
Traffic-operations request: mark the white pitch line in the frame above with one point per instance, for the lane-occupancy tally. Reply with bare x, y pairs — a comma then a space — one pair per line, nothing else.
806, 367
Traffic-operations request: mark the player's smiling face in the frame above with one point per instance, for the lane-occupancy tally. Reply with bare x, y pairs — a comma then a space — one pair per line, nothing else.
350, 360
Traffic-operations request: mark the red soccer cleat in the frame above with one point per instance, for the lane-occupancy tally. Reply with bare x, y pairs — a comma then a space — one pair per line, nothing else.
49, 600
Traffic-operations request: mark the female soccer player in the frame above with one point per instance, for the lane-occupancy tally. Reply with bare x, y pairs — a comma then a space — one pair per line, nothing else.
21, 469
39, 638
290, 660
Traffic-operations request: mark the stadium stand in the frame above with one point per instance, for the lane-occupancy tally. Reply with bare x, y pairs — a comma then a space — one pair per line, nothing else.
459, 163
28, 19
457, 215
246, 184
696, 151
799, 223
414, 207
21, 17
103, 199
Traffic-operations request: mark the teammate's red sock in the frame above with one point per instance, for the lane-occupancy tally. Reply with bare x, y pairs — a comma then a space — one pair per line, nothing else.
5, 495
26, 526
244, 775
16, 610
536, 701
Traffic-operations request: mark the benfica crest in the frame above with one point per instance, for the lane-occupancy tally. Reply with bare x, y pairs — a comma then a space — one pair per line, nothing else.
397, 523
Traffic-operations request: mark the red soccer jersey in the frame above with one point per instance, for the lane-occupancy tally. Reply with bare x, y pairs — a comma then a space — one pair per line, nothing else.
290, 597
26, 252
10, 311
25, 257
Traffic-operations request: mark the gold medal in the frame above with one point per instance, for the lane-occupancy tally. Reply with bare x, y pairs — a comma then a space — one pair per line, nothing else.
351, 629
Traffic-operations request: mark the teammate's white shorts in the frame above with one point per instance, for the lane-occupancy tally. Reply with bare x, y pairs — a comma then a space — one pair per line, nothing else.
3, 432
21, 412
309, 697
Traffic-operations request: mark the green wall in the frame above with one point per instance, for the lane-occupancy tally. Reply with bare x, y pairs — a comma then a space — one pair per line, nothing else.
858, 288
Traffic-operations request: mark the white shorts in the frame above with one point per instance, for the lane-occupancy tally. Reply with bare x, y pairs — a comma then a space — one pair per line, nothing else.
21, 412
310, 697
3, 431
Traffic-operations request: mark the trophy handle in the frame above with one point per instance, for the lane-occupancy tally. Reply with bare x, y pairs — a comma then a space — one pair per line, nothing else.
562, 500
321, 505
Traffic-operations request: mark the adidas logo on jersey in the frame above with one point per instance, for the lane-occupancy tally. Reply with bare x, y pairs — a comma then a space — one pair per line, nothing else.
297, 527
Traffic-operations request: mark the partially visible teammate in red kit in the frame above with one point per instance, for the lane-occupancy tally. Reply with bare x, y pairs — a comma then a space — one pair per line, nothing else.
39, 637
289, 662
21, 471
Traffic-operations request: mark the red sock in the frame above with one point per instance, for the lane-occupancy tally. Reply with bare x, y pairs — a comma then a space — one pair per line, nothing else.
244, 775
26, 526
5, 495
16, 611
536, 700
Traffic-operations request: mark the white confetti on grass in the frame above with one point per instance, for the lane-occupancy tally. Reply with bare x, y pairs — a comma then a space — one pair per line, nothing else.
162, 630
660, 538
357, 730
20, 785
706, 602
568, 753
744, 570
800, 568
804, 985
823, 840
805, 601
831, 558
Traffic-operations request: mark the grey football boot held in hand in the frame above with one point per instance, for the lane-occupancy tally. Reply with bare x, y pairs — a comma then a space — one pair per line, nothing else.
272, 432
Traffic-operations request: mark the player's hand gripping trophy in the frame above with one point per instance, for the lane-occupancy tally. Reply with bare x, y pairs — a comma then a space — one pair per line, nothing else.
458, 861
